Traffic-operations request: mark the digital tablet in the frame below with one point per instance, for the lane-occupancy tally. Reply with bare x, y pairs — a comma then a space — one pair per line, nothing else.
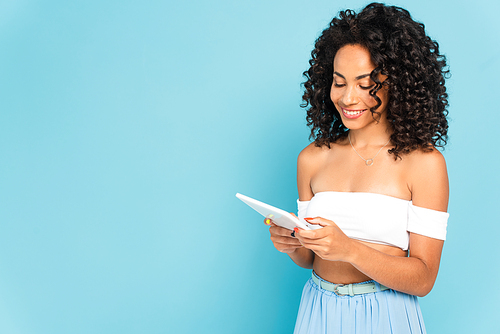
278, 216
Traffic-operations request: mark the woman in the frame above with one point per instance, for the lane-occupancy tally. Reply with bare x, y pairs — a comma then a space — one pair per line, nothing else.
372, 178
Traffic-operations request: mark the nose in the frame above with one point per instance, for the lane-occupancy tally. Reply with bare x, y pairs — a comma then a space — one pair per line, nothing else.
350, 97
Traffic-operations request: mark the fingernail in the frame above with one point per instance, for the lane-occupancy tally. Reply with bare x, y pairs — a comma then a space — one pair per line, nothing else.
296, 230
308, 219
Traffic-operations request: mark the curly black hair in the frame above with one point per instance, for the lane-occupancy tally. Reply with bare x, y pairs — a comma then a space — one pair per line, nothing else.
401, 50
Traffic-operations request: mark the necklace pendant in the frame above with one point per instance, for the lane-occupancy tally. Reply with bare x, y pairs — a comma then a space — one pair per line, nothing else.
368, 162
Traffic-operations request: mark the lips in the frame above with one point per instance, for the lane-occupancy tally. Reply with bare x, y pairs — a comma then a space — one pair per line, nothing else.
350, 113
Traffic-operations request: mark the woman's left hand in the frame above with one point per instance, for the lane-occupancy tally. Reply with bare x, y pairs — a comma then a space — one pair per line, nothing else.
329, 242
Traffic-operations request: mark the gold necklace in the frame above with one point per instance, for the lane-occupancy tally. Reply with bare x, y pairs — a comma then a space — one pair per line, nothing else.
368, 162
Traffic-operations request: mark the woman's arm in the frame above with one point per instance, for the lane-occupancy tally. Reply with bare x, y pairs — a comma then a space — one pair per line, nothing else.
281, 237
285, 243
416, 274
303, 257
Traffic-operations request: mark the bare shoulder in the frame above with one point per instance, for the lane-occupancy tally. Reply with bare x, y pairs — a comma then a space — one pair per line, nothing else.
428, 179
312, 154
308, 162
427, 159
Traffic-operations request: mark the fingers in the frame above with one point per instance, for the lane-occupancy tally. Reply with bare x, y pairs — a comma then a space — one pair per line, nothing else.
283, 235
319, 244
319, 221
286, 247
282, 239
275, 229
329, 227
286, 241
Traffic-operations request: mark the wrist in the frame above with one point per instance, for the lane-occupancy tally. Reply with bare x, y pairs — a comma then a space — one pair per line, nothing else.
352, 251
296, 250
303, 257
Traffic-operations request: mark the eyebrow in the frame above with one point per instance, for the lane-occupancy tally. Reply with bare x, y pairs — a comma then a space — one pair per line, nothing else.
357, 78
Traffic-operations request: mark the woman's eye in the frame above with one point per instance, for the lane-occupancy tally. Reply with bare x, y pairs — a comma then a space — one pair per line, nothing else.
366, 87
338, 85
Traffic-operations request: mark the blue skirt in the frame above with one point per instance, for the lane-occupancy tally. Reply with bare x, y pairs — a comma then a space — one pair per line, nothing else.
388, 311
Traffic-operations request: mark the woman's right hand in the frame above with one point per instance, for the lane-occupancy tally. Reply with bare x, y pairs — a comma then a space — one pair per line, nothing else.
282, 238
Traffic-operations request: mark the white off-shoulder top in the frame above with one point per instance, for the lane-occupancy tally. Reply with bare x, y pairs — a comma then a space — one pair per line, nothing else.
374, 217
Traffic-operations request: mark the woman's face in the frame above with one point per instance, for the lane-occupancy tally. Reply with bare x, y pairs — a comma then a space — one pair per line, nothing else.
351, 85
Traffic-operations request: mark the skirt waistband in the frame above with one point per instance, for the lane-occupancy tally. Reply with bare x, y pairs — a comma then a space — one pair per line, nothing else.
348, 289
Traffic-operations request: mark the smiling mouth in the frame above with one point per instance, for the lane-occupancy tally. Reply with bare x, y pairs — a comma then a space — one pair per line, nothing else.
352, 113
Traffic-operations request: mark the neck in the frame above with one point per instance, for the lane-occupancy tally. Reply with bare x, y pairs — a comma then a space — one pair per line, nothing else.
377, 135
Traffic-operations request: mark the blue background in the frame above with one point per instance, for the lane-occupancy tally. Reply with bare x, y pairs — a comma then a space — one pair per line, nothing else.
126, 128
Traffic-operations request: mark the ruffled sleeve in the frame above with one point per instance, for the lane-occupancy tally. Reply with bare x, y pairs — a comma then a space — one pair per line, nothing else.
302, 209
427, 222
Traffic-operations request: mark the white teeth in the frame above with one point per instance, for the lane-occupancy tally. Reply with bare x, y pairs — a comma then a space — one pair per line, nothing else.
353, 113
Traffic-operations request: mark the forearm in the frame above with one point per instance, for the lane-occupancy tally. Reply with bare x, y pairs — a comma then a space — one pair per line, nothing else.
406, 274
303, 257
